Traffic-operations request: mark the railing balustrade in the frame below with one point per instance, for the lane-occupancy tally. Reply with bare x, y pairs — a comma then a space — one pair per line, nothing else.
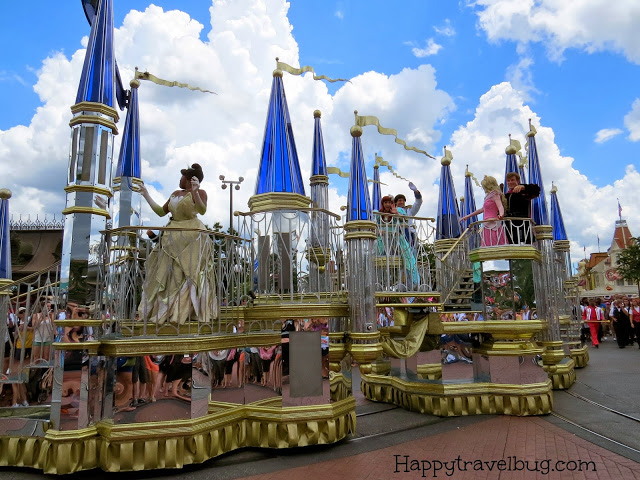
404, 259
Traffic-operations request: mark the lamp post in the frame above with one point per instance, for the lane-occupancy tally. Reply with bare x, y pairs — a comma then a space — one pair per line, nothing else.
231, 184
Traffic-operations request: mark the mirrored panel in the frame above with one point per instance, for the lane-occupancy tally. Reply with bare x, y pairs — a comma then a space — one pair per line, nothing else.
305, 371
262, 372
153, 388
226, 373
456, 357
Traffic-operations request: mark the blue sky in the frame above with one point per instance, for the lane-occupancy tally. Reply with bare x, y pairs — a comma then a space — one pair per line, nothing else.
576, 80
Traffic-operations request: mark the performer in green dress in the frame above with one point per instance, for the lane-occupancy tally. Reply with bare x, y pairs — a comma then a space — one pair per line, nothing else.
180, 275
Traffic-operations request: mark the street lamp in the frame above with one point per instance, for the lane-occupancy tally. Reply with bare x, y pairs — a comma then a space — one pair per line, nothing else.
231, 184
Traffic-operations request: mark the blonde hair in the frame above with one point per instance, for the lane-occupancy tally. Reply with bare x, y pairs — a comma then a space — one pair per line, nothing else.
490, 184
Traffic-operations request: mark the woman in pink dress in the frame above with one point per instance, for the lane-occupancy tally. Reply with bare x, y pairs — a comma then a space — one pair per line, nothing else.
492, 233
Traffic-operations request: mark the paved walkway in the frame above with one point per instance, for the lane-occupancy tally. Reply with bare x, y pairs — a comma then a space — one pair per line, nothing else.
497, 448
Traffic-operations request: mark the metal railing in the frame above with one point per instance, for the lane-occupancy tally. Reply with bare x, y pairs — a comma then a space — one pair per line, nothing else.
405, 260
177, 283
295, 256
497, 233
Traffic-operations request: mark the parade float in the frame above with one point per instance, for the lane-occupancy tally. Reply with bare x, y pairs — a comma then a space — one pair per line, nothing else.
164, 349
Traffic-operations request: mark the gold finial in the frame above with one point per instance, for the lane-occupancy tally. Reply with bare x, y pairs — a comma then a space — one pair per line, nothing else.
554, 189
448, 156
5, 193
467, 173
376, 166
461, 199
317, 114
532, 130
356, 131
134, 83
510, 150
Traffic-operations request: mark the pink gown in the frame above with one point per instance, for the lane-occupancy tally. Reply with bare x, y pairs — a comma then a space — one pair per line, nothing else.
493, 232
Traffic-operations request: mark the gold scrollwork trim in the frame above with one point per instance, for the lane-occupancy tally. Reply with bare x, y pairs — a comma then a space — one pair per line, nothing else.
447, 400
176, 345
105, 122
143, 446
88, 210
95, 107
301, 310
366, 225
278, 201
91, 347
513, 252
562, 245
318, 179
515, 327
580, 356
543, 232
562, 375
78, 322
444, 245
89, 188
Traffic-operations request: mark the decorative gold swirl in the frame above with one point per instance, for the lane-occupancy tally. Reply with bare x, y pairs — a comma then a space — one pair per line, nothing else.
152, 78
384, 163
473, 177
365, 120
299, 71
340, 173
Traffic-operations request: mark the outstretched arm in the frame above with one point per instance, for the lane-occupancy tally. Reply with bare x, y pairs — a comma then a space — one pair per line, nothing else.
477, 212
160, 211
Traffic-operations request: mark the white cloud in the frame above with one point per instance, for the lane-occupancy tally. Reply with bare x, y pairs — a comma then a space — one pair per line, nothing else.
590, 25
632, 121
481, 143
519, 75
431, 48
447, 30
224, 132
606, 134
339, 14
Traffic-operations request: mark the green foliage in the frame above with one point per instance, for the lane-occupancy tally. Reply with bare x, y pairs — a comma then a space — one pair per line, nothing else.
628, 264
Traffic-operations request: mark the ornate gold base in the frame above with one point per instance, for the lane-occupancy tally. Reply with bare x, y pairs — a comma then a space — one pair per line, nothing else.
580, 356
452, 400
145, 446
562, 375
430, 371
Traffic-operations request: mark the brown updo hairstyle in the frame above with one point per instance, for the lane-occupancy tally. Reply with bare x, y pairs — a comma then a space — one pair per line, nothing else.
194, 171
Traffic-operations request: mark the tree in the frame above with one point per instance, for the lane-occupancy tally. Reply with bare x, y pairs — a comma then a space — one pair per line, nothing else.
629, 263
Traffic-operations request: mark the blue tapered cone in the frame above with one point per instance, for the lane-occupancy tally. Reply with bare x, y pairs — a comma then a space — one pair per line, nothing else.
377, 194
559, 232
358, 202
539, 212
469, 203
129, 158
98, 71
5, 241
448, 220
279, 169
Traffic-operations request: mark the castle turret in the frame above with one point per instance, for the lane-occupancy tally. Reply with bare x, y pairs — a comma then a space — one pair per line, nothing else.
360, 237
93, 126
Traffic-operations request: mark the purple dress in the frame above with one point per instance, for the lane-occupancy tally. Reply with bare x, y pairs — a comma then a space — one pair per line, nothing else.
493, 232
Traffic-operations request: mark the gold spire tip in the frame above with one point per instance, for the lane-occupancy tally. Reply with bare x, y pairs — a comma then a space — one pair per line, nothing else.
317, 114
5, 193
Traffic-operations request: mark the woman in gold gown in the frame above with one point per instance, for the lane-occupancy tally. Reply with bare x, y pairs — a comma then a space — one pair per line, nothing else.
180, 275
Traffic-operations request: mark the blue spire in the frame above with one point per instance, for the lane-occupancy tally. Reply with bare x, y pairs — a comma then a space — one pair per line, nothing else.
512, 163
98, 72
5, 242
129, 158
318, 163
469, 201
559, 232
539, 212
358, 202
377, 194
279, 169
448, 221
